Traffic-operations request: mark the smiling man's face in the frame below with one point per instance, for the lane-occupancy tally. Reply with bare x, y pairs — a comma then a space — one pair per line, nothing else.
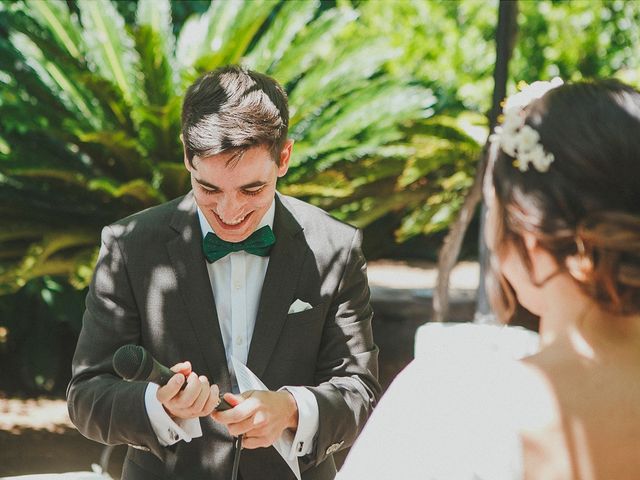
234, 196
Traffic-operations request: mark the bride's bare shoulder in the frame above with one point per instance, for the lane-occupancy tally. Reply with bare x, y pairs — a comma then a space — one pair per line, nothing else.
534, 398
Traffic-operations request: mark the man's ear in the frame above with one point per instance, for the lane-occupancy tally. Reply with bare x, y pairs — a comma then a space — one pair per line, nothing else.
187, 164
285, 157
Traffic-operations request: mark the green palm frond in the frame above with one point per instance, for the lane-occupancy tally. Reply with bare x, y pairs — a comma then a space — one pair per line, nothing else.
52, 255
351, 70
205, 42
61, 23
292, 17
313, 44
154, 16
375, 112
160, 117
422, 179
54, 74
111, 49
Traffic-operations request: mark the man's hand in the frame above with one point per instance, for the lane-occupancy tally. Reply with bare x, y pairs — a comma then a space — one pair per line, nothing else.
261, 416
198, 399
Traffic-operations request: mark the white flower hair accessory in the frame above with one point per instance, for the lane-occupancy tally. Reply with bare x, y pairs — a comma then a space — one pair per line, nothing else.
519, 140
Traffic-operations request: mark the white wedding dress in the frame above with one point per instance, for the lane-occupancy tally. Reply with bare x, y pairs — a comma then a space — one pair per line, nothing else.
453, 413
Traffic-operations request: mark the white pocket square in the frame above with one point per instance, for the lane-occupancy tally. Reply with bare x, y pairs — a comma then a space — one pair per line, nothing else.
299, 306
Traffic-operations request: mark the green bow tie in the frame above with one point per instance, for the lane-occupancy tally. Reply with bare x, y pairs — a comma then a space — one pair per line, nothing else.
258, 243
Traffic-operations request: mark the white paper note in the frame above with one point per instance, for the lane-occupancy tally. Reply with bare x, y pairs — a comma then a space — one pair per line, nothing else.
247, 380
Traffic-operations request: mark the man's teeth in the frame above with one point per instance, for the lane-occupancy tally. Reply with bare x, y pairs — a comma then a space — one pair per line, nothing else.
236, 222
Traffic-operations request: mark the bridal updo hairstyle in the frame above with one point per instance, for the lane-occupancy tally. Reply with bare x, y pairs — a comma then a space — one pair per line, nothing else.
585, 210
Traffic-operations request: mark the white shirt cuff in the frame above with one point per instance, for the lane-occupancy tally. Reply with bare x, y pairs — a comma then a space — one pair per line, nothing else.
308, 421
167, 430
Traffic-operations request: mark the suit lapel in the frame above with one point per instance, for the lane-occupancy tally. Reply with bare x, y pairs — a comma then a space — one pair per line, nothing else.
185, 251
278, 289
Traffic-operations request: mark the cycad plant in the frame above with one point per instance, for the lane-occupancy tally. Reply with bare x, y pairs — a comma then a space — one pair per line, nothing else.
89, 121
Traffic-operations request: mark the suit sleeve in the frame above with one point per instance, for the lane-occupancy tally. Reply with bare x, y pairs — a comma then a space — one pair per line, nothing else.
347, 367
104, 407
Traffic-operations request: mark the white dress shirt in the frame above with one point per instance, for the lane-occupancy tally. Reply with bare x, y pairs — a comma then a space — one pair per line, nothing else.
236, 282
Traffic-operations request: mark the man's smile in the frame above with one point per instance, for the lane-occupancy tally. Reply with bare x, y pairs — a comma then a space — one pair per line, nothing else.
235, 223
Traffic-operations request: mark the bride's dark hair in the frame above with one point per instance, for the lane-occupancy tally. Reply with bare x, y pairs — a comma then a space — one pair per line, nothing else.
585, 210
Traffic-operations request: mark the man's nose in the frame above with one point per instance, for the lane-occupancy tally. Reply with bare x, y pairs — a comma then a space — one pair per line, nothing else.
230, 207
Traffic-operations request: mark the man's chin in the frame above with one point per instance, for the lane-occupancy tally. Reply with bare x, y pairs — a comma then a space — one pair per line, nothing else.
234, 235
233, 238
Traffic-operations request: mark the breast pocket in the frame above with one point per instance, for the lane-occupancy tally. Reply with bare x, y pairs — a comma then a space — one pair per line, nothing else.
306, 315
300, 341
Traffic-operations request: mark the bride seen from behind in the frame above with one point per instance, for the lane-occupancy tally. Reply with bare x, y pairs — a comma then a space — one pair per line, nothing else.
563, 225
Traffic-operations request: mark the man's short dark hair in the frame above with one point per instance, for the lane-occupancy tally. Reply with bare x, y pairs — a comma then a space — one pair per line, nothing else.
233, 109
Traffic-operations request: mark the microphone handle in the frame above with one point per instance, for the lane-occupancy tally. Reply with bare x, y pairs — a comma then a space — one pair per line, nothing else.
151, 370
160, 374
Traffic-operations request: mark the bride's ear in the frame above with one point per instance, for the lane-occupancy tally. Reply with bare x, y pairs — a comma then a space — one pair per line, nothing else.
531, 244
543, 264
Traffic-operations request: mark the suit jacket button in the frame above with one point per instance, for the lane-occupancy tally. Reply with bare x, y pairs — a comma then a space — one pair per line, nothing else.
334, 448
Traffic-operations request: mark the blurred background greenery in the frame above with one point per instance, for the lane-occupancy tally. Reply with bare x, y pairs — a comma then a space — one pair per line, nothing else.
388, 110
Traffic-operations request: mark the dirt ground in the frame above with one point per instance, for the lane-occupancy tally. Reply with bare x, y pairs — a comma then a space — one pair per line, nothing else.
37, 437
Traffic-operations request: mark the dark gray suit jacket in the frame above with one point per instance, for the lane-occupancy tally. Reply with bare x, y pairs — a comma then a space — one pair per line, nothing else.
151, 287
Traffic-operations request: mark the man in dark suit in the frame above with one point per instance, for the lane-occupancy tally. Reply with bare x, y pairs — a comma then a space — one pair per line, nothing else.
232, 269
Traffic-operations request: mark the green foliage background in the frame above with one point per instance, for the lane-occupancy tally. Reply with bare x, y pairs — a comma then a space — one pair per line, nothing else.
387, 109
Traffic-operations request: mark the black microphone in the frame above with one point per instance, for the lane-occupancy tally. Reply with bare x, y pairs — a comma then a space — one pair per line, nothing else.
135, 363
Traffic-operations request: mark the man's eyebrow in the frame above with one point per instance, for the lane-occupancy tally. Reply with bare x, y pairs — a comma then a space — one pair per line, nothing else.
204, 183
257, 183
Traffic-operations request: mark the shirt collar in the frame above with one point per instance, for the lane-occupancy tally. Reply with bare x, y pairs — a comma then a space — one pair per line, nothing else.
267, 219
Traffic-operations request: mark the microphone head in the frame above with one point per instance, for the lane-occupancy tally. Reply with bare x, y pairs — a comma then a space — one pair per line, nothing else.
129, 360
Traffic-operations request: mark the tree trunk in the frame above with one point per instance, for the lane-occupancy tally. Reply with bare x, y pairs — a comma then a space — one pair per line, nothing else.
505, 41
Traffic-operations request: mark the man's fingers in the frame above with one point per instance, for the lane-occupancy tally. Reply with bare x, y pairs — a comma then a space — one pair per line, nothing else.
171, 389
196, 399
182, 367
202, 398
190, 393
255, 442
239, 412
233, 399
179, 366
215, 392
242, 427
212, 402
